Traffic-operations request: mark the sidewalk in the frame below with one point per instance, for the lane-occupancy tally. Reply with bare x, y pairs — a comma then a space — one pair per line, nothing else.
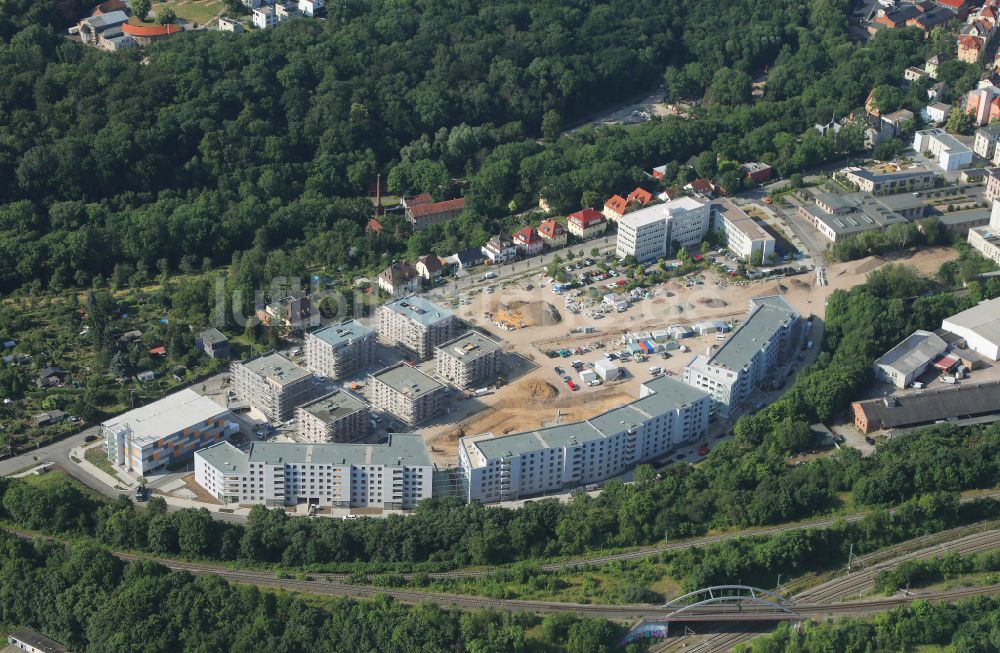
114, 482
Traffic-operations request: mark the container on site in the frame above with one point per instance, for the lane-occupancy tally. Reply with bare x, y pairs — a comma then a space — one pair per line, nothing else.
481, 391
948, 379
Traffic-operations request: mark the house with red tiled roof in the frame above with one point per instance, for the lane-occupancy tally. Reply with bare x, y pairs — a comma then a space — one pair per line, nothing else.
374, 226
528, 242
660, 172
960, 7
639, 196
587, 223
702, 187
423, 214
970, 48
615, 207
553, 233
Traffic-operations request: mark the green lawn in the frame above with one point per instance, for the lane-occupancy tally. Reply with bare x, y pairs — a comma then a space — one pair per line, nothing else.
99, 458
201, 12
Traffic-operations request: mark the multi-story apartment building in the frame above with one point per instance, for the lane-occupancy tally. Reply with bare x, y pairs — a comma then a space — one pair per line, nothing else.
985, 144
340, 349
273, 385
586, 224
992, 184
416, 325
166, 432
887, 183
335, 417
667, 414
986, 239
392, 476
950, 153
743, 236
468, 359
768, 336
407, 393
650, 233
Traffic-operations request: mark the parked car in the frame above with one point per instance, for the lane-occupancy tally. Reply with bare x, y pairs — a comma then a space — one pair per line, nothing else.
703, 451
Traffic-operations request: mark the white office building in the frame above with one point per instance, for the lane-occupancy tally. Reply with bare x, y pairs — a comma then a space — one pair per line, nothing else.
667, 414
742, 235
649, 233
980, 327
768, 336
394, 476
950, 153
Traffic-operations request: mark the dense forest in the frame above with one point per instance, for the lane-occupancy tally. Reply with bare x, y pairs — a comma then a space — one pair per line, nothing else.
210, 143
95, 603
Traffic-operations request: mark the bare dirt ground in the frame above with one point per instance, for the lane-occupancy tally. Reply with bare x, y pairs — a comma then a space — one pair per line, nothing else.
540, 397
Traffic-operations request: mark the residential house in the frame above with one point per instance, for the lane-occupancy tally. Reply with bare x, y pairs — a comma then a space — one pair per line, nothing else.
587, 223
913, 74
252, 4
898, 120
659, 172
309, 8
500, 249
213, 343
430, 267
293, 312
970, 48
934, 90
992, 184
701, 187
615, 207
553, 233
49, 418
373, 226
229, 25
264, 17
640, 197
986, 141
467, 258
399, 278
528, 242
50, 377
936, 112
422, 212
931, 65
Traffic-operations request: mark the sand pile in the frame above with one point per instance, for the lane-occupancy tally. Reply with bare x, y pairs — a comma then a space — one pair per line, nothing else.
538, 390
709, 302
866, 265
799, 283
538, 312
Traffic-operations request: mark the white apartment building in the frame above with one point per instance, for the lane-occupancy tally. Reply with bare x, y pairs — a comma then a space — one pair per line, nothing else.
392, 476
416, 325
310, 7
340, 349
335, 417
649, 233
667, 414
768, 336
743, 236
407, 393
273, 385
264, 17
951, 154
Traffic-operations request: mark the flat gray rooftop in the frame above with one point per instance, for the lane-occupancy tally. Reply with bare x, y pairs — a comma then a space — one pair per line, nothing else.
343, 333
983, 319
167, 416
671, 393
336, 405
419, 310
226, 458
469, 346
914, 352
857, 212
739, 349
407, 380
547, 438
739, 219
402, 449
277, 368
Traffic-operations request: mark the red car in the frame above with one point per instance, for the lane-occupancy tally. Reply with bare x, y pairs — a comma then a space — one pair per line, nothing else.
572, 386
620, 282
703, 451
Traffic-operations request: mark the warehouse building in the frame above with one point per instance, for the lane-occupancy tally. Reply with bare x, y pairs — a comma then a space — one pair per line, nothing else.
407, 393
769, 336
904, 363
391, 476
166, 432
468, 359
927, 407
667, 414
742, 235
979, 327
273, 385
416, 324
335, 417
649, 233
340, 349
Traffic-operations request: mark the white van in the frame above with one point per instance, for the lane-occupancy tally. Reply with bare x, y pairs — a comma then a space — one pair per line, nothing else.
655, 371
